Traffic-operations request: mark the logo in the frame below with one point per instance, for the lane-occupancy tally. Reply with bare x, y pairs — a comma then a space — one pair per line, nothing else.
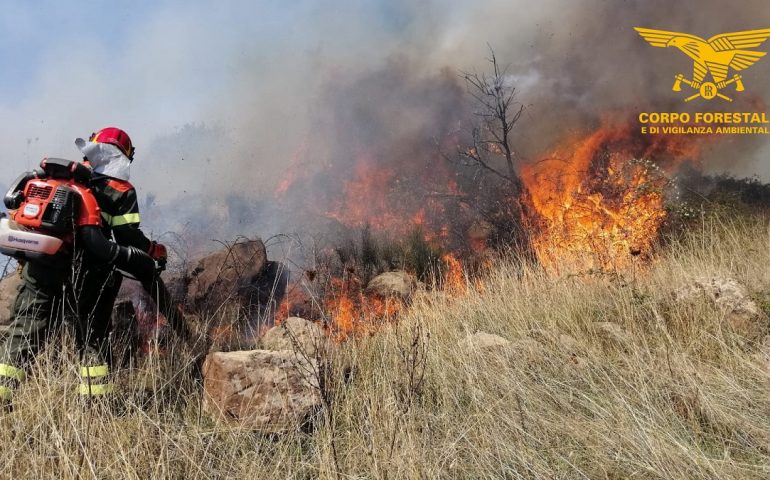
712, 59
23, 241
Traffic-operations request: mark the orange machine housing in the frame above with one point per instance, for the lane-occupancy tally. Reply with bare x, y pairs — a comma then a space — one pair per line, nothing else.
56, 206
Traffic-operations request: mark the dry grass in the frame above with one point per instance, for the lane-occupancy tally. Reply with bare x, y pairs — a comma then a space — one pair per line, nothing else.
680, 397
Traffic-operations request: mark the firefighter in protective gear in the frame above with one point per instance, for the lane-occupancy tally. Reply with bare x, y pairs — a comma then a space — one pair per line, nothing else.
83, 290
109, 152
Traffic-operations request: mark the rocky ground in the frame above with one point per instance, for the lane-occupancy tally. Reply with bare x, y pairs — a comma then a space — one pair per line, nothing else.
662, 372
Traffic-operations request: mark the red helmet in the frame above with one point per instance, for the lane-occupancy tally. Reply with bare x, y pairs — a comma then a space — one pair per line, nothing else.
117, 137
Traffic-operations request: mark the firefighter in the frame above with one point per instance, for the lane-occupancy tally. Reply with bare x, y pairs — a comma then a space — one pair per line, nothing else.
85, 290
109, 152
120, 212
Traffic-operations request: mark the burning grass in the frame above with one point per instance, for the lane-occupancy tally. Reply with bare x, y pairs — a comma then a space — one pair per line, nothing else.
682, 397
335, 293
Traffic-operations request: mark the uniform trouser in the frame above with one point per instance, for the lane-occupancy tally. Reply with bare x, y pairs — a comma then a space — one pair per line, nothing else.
81, 300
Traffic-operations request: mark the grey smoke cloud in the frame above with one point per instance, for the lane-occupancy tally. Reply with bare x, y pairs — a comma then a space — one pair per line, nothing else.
220, 96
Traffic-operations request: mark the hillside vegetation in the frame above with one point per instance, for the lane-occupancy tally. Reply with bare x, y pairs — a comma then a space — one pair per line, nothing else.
672, 393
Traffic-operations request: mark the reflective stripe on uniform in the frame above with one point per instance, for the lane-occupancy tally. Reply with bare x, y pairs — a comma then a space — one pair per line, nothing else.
119, 220
126, 219
6, 393
95, 371
101, 389
9, 371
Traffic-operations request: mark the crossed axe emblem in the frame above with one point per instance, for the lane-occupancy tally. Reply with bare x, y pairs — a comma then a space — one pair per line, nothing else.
707, 90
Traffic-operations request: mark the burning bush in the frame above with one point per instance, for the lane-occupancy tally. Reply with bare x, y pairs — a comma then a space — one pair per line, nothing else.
600, 200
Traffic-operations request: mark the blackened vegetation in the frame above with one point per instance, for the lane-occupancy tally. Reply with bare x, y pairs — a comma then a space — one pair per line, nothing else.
366, 254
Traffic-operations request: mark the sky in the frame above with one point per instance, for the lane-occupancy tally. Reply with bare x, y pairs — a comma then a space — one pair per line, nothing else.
218, 96
160, 69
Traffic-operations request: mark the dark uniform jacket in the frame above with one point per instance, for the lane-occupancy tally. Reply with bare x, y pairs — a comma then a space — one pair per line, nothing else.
120, 211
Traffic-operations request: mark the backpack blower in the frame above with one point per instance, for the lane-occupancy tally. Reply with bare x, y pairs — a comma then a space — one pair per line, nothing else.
51, 209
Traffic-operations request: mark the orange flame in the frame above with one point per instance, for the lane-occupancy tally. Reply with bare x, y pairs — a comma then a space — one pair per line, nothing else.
600, 199
293, 172
396, 200
366, 199
353, 312
454, 278
282, 313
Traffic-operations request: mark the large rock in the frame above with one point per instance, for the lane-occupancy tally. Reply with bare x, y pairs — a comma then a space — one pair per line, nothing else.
225, 273
9, 287
297, 335
397, 284
260, 390
731, 298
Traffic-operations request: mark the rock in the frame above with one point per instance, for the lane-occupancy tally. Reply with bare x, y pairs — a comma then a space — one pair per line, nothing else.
136, 318
224, 273
9, 287
397, 284
612, 334
731, 298
297, 335
270, 392
484, 341
480, 230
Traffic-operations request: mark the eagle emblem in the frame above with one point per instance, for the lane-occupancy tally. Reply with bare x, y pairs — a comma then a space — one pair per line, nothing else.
715, 57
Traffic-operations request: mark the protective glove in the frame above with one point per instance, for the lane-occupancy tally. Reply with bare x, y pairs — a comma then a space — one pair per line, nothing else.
158, 253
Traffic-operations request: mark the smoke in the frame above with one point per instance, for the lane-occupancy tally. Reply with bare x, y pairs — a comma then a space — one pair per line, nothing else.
222, 100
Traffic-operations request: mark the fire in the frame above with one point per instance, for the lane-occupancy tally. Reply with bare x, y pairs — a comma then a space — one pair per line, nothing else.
293, 172
353, 312
396, 199
282, 313
454, 279
343, 313
596, 202
366, 198
600, 198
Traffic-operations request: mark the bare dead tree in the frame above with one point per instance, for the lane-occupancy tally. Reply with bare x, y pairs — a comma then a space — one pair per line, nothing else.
498, 113
488, 153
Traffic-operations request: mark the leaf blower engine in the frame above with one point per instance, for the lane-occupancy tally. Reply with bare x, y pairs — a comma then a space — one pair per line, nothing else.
50, 208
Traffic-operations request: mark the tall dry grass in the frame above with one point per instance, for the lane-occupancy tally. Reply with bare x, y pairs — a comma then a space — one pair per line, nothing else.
678, 396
